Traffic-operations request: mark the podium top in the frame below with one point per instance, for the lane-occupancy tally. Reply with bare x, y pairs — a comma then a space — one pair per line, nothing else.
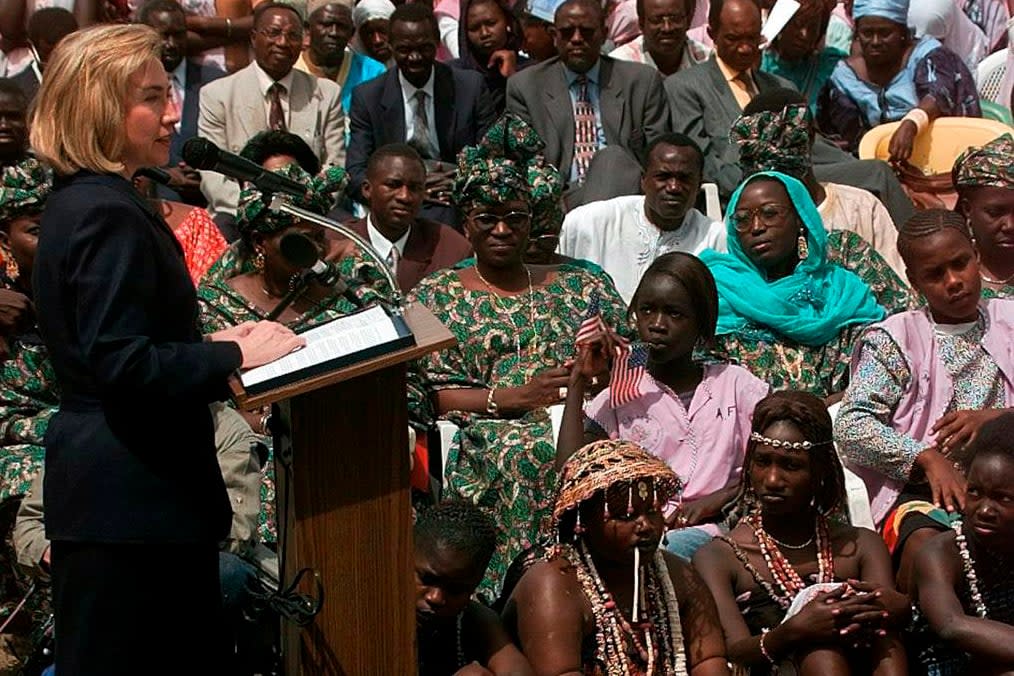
430, 336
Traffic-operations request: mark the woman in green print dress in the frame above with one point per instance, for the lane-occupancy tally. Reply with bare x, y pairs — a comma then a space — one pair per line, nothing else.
516, 326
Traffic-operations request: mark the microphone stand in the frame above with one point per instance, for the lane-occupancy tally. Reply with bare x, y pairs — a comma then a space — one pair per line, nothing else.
295, 289
279, 203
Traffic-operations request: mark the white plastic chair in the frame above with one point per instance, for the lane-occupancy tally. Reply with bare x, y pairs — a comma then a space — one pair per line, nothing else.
857, 497
990, 73
713, 205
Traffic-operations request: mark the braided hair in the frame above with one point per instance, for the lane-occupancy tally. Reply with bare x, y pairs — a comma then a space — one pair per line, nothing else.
459, 526
926, 223
995, 438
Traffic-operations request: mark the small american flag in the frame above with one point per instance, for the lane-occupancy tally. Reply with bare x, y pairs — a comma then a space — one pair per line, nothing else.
628, 369
592, 327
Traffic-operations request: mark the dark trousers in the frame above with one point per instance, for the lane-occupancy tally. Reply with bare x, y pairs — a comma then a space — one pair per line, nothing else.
136, 609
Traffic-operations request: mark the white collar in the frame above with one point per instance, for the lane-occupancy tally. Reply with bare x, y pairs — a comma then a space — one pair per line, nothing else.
180, 73
381, 243
265, 80
408, 89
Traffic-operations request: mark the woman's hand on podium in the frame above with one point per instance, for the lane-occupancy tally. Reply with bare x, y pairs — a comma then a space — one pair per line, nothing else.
260, 342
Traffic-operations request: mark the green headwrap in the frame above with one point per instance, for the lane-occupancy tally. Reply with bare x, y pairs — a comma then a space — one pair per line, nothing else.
254, 215
508, 164
774, 141
24, 188
990, 165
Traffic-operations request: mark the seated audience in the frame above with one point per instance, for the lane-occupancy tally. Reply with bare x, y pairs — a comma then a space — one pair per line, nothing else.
792, 297
663, 42
944, 20
694, 416
582, 103
625, 234
269, 94
606, 600
965, 580
795, 585
329, 26
923, 384
491, 39
46, 27
776, 133
434, 108
516, 325
456, 635
13, 123
537, 28
800, 54
412, 246
371, 19
894, 77
985, 184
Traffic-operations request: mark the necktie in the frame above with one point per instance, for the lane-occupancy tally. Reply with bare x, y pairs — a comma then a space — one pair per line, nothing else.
748, 84
585, 134
392, 259
276, 118
177, 98
421, 128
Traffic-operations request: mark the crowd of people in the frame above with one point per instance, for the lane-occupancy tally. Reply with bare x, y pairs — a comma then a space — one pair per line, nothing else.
690, 321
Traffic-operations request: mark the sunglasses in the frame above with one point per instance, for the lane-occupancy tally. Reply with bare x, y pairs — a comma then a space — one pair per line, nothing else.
514, 220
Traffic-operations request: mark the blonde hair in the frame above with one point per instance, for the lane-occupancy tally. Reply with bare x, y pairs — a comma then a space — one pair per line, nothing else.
79, 117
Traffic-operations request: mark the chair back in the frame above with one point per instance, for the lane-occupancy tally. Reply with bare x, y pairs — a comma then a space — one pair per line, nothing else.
990, 73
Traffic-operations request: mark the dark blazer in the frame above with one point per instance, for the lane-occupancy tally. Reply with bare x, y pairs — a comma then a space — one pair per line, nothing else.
704, 108
632, 106
461, 105
197, 76
431, 246
130, 456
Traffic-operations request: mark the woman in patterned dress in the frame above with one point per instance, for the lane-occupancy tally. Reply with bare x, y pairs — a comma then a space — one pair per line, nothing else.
515, 324
792, 296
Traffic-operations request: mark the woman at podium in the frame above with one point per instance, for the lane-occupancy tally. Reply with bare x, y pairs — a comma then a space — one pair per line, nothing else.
516, 326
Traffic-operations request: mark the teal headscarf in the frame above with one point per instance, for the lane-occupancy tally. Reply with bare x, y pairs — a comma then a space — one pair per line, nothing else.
810, 306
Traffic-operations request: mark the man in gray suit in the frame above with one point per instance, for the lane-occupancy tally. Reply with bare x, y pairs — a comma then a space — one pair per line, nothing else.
595, 114
705, 100
269, 94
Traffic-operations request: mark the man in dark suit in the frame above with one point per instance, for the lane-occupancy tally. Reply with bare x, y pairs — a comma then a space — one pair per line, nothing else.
585, 105
436, 109
414, 247
186, 78
705, 100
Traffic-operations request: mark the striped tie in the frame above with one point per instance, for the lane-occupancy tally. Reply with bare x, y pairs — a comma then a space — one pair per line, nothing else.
585, 133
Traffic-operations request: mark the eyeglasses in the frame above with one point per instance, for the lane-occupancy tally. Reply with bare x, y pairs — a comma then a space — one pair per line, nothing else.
514, 220
568, 32
273, 34
545, 242
674, 19
770, 215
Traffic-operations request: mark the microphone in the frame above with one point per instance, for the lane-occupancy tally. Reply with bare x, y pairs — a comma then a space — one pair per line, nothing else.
200, 153
155, 174
299, 250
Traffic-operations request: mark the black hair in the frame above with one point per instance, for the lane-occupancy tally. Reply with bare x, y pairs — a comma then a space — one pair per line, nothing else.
588, 4
689, 6
715, 13
773, 101
339, 5
515, 33
145, 11
402, 150
809, 413
696, 278
269, 143
415, 12
459, 526
50, 25
265, 7
12, 89
925, 223
996, 437
675, 138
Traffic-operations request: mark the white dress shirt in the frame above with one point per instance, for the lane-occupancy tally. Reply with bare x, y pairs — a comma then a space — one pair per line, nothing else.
383, 245
265, 81
408, 91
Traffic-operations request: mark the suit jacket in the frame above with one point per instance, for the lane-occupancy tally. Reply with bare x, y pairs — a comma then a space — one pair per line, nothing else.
431, 246
130, 455
198, 75
232, 110
461, 105
633, 109
704, 108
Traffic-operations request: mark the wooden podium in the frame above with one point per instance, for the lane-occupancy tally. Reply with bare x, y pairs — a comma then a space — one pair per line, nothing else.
342, 465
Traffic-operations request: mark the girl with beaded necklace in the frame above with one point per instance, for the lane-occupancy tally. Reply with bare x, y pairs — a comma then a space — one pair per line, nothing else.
606, 601
965, 577
693, 416
789, 539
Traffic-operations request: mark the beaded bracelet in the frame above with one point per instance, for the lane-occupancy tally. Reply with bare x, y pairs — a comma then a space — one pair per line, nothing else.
764, 651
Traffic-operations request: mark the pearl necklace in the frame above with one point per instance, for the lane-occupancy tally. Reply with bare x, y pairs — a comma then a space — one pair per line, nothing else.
531, 309
969, 565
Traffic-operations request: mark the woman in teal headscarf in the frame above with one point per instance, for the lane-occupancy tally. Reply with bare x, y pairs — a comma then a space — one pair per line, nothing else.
516, 325
791, 295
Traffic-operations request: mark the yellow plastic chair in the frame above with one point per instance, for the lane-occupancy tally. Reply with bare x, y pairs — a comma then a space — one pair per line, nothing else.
935, 150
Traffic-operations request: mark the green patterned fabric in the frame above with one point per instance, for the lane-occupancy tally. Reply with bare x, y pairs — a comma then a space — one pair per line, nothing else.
504, 465
254, 215
988, 165
24, 188
774, 141
822, 370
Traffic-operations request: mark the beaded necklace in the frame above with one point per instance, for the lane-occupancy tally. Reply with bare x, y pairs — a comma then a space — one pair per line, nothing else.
969, 565
784, 575
657, 641
499, 306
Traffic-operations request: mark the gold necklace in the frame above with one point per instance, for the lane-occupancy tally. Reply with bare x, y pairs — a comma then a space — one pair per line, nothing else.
531, 309
1000, 282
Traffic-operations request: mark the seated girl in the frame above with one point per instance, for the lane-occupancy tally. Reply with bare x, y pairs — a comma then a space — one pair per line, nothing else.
923, 383
965, 579
794, 585
454, 542
607, 600
694, 416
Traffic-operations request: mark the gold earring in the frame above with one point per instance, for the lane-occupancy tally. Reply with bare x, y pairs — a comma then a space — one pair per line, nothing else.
10, 265
259, 259
802, 248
